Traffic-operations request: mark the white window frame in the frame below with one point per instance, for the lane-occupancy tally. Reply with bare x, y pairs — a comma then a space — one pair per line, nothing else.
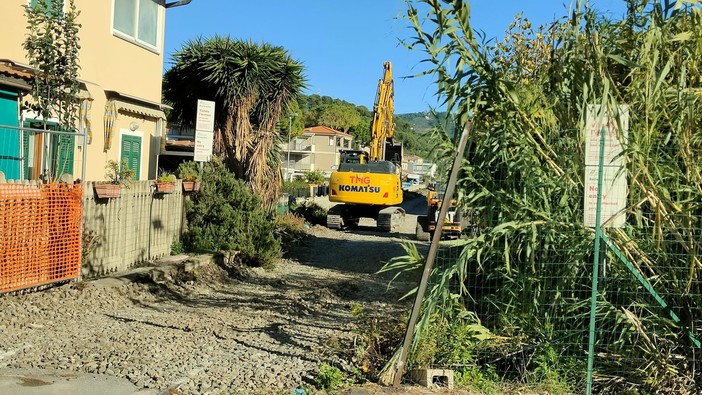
133, 38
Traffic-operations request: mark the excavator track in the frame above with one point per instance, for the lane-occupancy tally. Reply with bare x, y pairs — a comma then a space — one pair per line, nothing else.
335, 218
390, 219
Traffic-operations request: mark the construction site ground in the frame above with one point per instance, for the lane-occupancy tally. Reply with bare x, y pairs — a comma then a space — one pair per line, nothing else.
193, 325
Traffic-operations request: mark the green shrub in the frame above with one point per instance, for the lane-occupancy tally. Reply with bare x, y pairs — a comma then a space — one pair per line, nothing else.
226, 215
290, 228
485, 380
297, 188
451, 341
166, 176
312, 213
329, 377
120, 173
314, 177
176, 247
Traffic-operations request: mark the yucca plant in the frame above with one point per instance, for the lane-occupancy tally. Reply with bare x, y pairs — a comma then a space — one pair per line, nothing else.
253, 86
528, 274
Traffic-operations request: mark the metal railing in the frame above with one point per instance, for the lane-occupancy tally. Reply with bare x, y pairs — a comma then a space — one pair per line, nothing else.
41, 154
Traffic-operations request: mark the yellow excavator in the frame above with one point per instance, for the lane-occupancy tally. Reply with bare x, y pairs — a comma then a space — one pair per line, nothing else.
455, 224
368, 184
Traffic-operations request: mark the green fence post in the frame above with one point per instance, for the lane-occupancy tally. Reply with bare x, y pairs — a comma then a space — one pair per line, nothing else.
595, 266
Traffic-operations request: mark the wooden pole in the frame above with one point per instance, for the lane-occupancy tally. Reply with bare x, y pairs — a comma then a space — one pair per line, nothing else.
433, 248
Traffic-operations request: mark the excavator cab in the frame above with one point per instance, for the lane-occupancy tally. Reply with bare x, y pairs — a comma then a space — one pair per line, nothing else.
393, 152
353, 156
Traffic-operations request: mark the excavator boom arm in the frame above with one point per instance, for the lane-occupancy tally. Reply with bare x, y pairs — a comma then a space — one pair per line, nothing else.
371, 186
383, 127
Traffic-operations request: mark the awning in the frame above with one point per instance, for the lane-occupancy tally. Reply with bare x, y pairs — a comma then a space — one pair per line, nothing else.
115, 106
138, 110
15, 77
15, 71
135, 100
121, 102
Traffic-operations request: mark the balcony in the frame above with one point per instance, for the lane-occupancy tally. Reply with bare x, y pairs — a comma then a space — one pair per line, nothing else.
295, 168
298, 148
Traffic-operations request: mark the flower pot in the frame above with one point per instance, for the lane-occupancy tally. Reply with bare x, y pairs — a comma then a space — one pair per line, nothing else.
165, 187
107, 191
191, 186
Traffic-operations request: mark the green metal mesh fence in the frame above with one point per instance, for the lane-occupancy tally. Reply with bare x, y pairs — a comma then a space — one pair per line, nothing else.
511, 303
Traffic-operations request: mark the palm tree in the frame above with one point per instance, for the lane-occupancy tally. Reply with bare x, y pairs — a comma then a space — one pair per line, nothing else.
253, 86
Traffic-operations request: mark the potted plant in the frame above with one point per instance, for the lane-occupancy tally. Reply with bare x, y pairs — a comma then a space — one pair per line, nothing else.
117, 174
314, 179
165, 183
190, 174
191, 183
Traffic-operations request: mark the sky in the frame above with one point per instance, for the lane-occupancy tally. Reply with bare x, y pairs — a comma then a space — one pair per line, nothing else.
344, 43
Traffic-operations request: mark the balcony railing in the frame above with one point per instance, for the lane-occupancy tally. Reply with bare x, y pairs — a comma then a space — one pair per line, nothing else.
298, 148
297, 166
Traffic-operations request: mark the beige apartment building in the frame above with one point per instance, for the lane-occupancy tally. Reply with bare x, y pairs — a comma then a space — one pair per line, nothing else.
121, 68
316, 149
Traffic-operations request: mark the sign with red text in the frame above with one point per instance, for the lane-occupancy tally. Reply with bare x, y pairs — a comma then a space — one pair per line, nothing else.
614, 181
614, 194
205, 115
204, 131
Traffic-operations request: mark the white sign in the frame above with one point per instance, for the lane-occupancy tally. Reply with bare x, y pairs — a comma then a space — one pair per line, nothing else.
595, 123
205, 115
614, 192
203, 146
614, 182
204, 131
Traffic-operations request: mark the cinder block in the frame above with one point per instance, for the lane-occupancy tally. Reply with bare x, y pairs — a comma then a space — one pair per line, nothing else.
433, 378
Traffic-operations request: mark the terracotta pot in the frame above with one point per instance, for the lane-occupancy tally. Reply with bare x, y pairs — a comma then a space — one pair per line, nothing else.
165, 187
107, 191
191, 186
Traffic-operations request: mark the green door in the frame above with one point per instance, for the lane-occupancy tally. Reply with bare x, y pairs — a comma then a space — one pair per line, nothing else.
10, 160
131, 152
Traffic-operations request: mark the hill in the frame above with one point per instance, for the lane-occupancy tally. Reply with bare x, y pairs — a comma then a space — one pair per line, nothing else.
421, 122
410, 128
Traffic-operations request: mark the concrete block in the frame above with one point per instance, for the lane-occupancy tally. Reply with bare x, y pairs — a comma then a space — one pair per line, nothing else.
433, 378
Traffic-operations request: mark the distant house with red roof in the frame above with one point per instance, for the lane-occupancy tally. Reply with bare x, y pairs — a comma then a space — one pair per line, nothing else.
316, 149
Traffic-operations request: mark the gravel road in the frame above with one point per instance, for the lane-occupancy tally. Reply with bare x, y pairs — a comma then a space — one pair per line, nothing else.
208, 332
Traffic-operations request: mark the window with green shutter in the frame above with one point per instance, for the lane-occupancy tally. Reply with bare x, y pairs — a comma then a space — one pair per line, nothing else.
27, 140
49, 5
131, 152
62, 155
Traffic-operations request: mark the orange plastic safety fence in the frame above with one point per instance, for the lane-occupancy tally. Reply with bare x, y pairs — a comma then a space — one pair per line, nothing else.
40, 234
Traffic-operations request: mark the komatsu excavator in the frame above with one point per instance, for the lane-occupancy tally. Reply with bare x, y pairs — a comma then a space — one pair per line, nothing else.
368, 184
